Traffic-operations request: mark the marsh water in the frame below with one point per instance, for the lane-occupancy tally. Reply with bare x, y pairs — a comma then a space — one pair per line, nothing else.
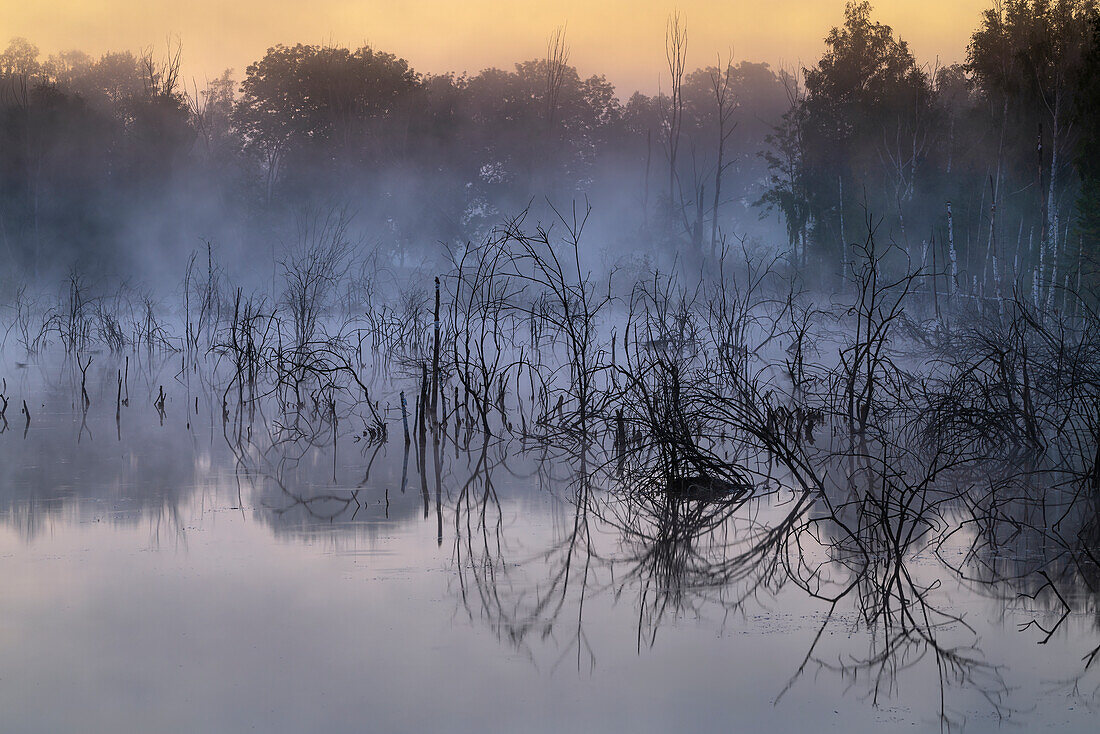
338, 396
158, 577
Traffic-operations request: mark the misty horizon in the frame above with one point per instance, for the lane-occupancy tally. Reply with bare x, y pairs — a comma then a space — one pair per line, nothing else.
470, 144
441, 38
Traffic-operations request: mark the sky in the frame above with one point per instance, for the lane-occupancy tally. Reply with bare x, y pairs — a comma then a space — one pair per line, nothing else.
623, 39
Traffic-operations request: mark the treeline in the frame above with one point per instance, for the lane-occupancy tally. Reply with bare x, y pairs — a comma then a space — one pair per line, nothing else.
94, 150
987, 172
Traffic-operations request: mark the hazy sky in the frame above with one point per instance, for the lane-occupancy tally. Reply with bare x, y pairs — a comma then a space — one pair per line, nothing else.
623, 39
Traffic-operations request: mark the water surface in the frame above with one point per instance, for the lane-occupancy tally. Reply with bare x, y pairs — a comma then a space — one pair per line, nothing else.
160, 578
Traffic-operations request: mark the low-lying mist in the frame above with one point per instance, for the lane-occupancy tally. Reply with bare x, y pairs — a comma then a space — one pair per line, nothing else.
983, 172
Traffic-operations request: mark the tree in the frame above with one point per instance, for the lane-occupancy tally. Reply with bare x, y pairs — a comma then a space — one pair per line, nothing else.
785, 156
158, 128
18, 68
211, 112
556, 66
675, 56
112, 80
323, 106
1087, 160
1027, 55
725, 105
20, 58
866, 101
65, 67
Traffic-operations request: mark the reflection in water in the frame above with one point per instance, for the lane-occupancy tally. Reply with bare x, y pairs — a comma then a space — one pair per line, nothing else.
556, 546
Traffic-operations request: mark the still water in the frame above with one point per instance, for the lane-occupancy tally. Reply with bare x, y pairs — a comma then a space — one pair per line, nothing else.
159, 578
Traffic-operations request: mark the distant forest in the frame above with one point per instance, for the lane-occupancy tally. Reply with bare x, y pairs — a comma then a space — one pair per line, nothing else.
987, 172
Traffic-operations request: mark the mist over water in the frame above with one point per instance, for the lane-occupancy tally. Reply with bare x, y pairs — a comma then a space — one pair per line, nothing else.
338, 396
150, 566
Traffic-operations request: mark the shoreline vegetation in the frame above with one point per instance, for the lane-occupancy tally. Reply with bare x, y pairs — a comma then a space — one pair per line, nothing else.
879, 427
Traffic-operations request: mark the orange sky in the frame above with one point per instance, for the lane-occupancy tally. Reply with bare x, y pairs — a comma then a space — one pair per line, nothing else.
623, 39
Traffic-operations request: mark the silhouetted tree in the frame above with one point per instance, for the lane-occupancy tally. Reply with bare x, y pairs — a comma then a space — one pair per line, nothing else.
865, 102
1026, 58
785, 157
1087, 116
318, 106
